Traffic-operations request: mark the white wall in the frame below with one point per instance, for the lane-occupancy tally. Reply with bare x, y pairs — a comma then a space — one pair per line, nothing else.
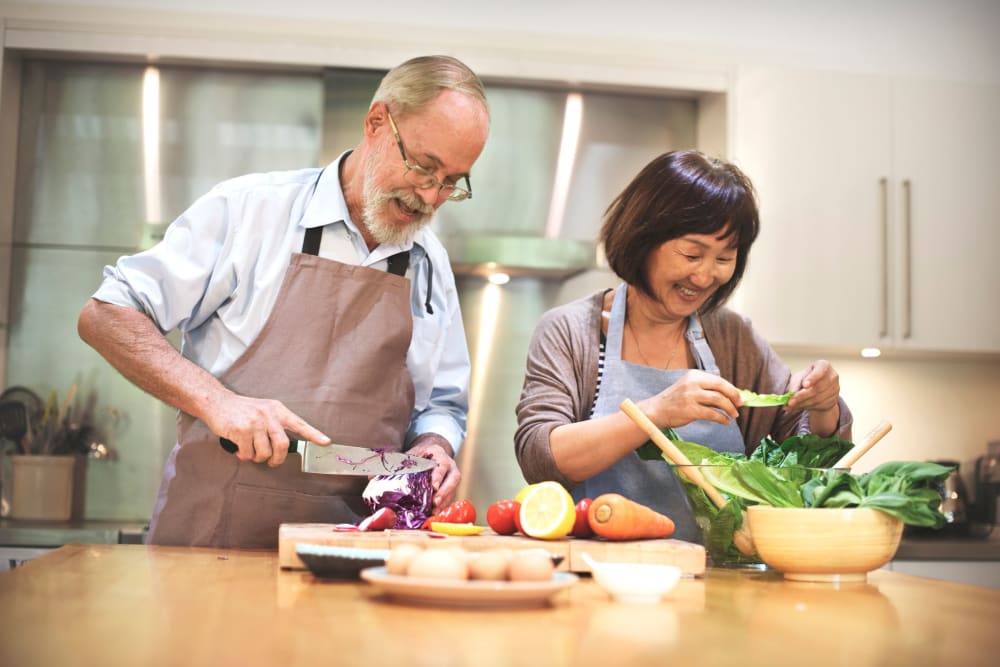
948, 39
940, 409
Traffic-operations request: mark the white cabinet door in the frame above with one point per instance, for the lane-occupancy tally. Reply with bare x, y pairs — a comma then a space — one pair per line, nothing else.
880, 210
817, 146
946, 146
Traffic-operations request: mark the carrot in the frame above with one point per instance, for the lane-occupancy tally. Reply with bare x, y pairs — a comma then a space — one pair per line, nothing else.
615, 517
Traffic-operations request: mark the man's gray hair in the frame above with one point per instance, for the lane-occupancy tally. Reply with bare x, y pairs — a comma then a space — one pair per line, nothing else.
418, 81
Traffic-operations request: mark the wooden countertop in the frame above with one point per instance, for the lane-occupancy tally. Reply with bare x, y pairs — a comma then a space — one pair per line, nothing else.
141, 605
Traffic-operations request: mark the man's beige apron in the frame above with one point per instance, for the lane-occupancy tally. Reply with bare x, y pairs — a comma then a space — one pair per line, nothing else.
334, 352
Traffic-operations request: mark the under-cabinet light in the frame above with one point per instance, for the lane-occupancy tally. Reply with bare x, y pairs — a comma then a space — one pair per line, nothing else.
498, 278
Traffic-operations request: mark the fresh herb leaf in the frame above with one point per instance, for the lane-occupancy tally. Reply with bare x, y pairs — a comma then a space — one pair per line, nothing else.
648, 451
754, 400
769, 484
809, 450
717, 526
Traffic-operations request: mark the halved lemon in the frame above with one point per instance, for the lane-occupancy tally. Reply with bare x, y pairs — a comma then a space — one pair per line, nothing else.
547, 511
523, 492
456, 528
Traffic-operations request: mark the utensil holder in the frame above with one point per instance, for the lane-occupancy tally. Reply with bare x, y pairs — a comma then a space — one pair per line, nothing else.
41, 487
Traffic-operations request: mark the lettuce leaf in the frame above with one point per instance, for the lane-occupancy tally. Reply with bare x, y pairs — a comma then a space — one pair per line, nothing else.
753, 400
796, 473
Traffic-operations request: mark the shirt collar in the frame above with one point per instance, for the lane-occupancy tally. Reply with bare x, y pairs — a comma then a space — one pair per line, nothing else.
328, 206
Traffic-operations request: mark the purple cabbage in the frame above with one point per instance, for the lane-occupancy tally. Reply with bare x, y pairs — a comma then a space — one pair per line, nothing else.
410, 496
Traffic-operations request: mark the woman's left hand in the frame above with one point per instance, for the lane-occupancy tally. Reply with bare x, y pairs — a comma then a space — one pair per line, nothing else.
817, 389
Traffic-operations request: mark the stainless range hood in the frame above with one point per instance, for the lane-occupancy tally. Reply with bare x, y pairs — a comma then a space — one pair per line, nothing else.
554, 161
519, 256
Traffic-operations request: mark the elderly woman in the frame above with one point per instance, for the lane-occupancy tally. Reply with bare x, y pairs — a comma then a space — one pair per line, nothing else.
679, 237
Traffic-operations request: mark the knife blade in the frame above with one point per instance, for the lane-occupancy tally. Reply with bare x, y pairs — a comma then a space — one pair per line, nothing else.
348, 460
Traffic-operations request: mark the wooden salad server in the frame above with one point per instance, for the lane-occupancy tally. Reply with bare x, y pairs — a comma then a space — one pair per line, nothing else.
876, 434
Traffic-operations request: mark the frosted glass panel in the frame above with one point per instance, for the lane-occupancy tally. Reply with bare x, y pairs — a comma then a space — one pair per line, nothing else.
45, 354
105, 148
91, 174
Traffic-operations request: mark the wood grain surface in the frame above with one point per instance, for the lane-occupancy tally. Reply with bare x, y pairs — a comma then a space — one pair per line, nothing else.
113, 605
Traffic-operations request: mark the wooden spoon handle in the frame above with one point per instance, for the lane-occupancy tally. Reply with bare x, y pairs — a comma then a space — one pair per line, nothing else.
675, 455
876, 434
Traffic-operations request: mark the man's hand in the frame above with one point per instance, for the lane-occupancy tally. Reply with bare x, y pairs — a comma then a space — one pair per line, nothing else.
258, 426
445, 477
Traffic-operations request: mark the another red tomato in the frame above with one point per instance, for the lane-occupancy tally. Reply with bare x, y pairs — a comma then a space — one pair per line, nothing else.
460, 511
581, 527
502, 516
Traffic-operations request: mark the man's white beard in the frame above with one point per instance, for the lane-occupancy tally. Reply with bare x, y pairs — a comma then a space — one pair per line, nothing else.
374, 214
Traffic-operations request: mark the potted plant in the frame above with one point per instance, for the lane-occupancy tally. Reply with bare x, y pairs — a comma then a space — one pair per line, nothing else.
44, 441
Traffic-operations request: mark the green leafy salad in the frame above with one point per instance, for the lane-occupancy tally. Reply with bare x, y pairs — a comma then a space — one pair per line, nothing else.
796, 473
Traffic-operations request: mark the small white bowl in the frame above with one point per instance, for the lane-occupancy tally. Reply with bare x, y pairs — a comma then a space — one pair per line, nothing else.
634, 582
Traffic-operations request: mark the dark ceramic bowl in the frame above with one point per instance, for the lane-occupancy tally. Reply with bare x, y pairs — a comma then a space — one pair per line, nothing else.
329, 562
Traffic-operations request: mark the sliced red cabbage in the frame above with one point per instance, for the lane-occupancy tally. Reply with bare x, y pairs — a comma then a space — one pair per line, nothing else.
410, 496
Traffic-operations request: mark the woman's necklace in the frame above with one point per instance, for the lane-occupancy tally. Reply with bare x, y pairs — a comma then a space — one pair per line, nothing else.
635, 339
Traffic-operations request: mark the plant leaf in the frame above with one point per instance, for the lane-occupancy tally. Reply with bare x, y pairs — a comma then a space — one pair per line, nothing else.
754, 400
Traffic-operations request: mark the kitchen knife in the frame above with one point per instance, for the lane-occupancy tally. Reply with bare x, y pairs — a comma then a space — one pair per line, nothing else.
347, 460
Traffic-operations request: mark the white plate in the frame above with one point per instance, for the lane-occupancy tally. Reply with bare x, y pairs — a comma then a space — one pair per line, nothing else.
439, 592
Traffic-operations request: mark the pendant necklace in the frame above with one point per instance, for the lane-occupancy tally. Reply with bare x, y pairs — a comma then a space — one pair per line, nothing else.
635, 339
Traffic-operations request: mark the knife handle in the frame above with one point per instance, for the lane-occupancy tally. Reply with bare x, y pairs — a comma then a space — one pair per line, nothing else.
232, 447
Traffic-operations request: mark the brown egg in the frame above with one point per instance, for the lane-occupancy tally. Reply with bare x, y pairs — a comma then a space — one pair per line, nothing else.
531, 565
490, 565
400, 558
439, 564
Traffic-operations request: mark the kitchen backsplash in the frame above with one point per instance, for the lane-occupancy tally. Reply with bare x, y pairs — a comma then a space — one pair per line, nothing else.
939, 409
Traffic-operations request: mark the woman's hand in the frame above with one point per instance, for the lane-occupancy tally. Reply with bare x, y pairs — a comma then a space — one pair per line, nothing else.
697, 395
817, 389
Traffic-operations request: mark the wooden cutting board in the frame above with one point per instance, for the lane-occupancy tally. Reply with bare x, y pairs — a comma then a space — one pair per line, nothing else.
690, 558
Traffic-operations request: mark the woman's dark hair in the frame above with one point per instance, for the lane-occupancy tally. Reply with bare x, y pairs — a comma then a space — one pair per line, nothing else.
678, 193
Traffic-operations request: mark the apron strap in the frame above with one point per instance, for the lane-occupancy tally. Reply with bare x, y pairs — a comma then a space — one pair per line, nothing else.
398, 263
310, 246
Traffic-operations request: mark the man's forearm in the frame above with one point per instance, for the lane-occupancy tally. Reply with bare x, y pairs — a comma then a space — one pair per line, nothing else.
134, 346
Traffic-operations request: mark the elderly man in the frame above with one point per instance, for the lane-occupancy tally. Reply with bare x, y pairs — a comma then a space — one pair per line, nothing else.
313, 302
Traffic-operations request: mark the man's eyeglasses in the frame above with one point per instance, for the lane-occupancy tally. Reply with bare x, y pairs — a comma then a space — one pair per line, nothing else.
424, 179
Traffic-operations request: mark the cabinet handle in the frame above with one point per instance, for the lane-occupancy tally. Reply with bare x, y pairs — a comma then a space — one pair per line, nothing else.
907, 262
883, 185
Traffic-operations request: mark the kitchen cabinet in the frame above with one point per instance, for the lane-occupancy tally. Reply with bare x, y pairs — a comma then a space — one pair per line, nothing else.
24, 540
878, 210
11, 557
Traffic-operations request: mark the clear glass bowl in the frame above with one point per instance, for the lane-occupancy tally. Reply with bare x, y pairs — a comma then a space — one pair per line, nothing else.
717, 525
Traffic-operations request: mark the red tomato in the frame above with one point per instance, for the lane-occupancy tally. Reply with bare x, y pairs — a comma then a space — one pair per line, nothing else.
581, 527
502, 516
517, 518
460, 511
